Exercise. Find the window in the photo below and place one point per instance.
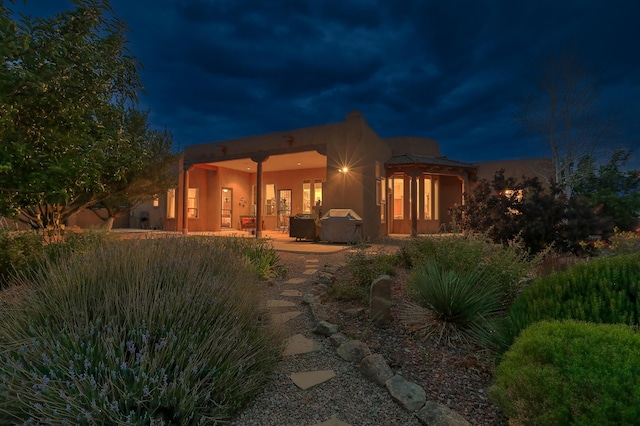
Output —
(428, 198)
(308, 189)
(317, 191)
(270, 199)
(398, 197)
(171, 204)
(306, 196)
(383, 200)
(253, 200)
(192, 203)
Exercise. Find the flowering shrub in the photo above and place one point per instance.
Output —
(166, 331)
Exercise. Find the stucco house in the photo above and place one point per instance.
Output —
(396, 185)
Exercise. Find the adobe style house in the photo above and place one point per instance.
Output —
(396, 185)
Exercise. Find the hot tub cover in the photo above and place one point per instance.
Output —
(341, 226)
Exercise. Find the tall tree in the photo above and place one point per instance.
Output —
(562, 109)
(610, 188)
(151, 161)
(65, 84)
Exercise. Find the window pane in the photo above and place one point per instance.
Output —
(317, 188)
(270, 199)
(192, 203)
(171, 204)
(427, 197)
(383, 200)
(306, 197)
(398, 198)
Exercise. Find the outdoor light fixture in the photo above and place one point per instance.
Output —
(344, 169)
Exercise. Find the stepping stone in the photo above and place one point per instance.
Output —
(311, 260)
(282, 318)
(299, 344)
(333, 422)
(280, 304)
(295, 281)
(291, 293)
(310, 272)
(310, 379)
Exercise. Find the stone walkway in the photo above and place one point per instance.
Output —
(298, 344)
(373, 366)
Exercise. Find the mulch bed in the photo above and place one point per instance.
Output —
(458, 377)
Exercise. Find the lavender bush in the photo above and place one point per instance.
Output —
(163, 331)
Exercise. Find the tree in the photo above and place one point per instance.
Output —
(538, 215)
(65, 84)
(562, 109)
(614, 191)
(151, 162)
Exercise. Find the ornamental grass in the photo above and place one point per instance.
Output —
(167, 331)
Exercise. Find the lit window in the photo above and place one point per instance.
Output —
(317, 191)
(398, 198)
(428, 198)
(306, 196)
(270, 199)
(171, 204)
(192, 203)
(383, 200)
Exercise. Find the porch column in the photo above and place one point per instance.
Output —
(259, 161)
(185, 201)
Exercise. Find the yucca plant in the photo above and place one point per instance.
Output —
(455, 306)
(164, 331)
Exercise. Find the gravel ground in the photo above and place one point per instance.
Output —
(457, 378)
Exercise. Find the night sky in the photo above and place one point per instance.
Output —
(452, 71)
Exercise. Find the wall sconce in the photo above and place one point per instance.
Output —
(343, 170)
(223, 149)
(288, 139)
(156, 201)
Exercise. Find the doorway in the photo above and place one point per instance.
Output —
(226, 213)
(284, 209)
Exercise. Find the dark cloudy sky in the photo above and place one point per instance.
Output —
(448, 70)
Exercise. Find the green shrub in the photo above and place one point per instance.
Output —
(164, 331)
(568, 373)
(364, 268)
(510, 266)
(18, 251)
(603, 290)
(263, 259)
(460, 305)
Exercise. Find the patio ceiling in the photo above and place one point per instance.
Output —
(276, 163)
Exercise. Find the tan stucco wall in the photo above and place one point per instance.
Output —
(413, 145)
(529, 167)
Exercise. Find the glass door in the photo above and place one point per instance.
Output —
(226, 212)
(284, 209)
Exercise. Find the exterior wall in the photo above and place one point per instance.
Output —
(293, 180)
(358, 150)
(450, 197)
(531, 167)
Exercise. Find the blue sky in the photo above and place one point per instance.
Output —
(452, 71)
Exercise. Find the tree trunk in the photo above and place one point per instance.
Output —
(108, 223)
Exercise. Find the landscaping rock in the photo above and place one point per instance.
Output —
(408, 394)
(434, 414)
(375, 368)
(325, 328)
(338, 339)
(353, 351)
(380, 305)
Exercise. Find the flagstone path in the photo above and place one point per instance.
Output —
(284, 310)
